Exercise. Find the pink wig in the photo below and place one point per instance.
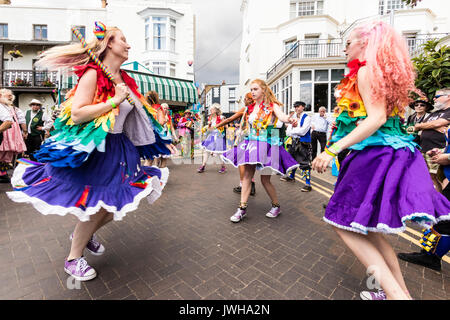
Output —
(390, 69)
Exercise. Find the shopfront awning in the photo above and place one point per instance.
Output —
(169, 89)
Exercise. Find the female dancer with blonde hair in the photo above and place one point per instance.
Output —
(384, 181)
(242, 112)
(262, 149)
(215, 141)
(92, 167)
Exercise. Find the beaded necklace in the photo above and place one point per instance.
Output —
(264, 117)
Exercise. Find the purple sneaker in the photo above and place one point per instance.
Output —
(93, 246)
(239, 215)
(274, 212)
(79, 269)
(223, 170)
(201, 169)
(368, 295)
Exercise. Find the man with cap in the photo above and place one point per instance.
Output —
(300, 148)
(38, 124)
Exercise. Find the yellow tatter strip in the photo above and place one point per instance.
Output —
(414, 232)
(328, 193)
(322, 188)
(318, 190)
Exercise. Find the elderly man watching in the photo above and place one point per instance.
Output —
(320, 124)
(38, 124)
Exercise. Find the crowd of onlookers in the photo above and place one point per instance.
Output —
(21, 133)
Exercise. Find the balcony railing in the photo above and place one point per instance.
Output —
(415, 44)
(29, 78)
(319, 49)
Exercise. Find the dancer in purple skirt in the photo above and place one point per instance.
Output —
(92, 167)
(384, 180)
(262, 149)
(215, 142)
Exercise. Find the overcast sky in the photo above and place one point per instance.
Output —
(218, 23)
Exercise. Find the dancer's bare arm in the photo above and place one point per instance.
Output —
(85, 94)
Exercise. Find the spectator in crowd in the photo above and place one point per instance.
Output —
(186, 133)
(319, 125)
(6, 122)
(38, 127)
(436, 240)
(433, 133)
(300, 148)
(13, 142)
(421, 109)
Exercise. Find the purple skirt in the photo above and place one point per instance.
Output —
(215, 142)
(262, 154)
(113, 180)
(379, 188)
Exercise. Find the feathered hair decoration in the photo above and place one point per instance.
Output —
(99, 30)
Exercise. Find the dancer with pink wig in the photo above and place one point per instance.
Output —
(384, 180)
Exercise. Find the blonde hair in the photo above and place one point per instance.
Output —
(217, 107)
(72, 55)
(269, 96)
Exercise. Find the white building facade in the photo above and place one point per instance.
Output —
(296, 46)
(225, 95)
(160, 33)
(228, 98)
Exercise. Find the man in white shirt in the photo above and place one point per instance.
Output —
(38, 123)
(320, 125)
(300, 149)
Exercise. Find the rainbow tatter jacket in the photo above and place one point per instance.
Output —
(71, 144)
(352, 112)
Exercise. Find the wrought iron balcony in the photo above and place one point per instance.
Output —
(323, 49)
(415, 43)
(29, 78)
(310, 49)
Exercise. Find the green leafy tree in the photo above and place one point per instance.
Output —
(433, 68)
(412, 3)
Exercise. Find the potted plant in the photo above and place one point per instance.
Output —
(48, 83)
(20, 83)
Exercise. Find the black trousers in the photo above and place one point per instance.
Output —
(301, 152)
(322, 138)
(33, 144)
(443, 227)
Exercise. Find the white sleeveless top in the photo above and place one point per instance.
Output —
(124, 109)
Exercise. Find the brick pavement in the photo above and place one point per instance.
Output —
(185, 247)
